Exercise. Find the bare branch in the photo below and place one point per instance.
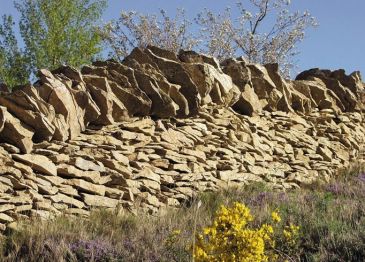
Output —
(275, 45)
(135, 29)
(261, 17)
(220, 35)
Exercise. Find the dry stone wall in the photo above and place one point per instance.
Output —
(156, 129)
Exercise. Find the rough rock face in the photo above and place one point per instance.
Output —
(343, 86)
(154, 130)
(15, 132)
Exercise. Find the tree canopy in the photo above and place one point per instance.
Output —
(54, 32)
(14, 67)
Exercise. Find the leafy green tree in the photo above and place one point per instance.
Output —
(59, 32)
(54, 32)
(14, 68)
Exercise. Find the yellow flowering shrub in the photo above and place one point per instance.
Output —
(291, 234)
(275, 217)
(230, 237)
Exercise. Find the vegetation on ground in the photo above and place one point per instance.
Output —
(330, 218)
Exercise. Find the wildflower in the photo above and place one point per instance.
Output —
(230, 237)
(176, 232)
(291, 233)
(287, 234)
(275, 217)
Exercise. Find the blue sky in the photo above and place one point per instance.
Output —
(339, 41)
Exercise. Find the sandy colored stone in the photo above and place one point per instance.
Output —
(87, 165)
(87, 187)
(38, 163)
(14, 132)
(61, 198)
(99, 201)
(4, 218)
(6, 207)
(71, 171)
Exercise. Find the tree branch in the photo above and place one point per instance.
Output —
(261, 17)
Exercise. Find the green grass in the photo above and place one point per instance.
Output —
(331, 217)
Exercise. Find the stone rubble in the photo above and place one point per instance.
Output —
(158, 128)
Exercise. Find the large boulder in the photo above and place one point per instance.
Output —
(54, 92)
(86, 105)
(111, 108)
(292, 100)
(25, 108)
(179, 104)
(61, 132)
(320, 96)
(248, 102)
(264, 87)
(124, 86)
(344, 87)
(170, 66)
(15, 132)
(104, 103)
(239, 72)
(156, 87)
(70, 72)
(352, 81)
(212, 84)
(194, 57)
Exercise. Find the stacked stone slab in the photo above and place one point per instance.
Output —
(154, 130)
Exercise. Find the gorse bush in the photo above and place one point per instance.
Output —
(231, 238)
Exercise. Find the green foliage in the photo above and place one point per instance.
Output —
(13, 63)
(54, 32)
(60, 31)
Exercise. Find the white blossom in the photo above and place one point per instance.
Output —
(264, 32)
